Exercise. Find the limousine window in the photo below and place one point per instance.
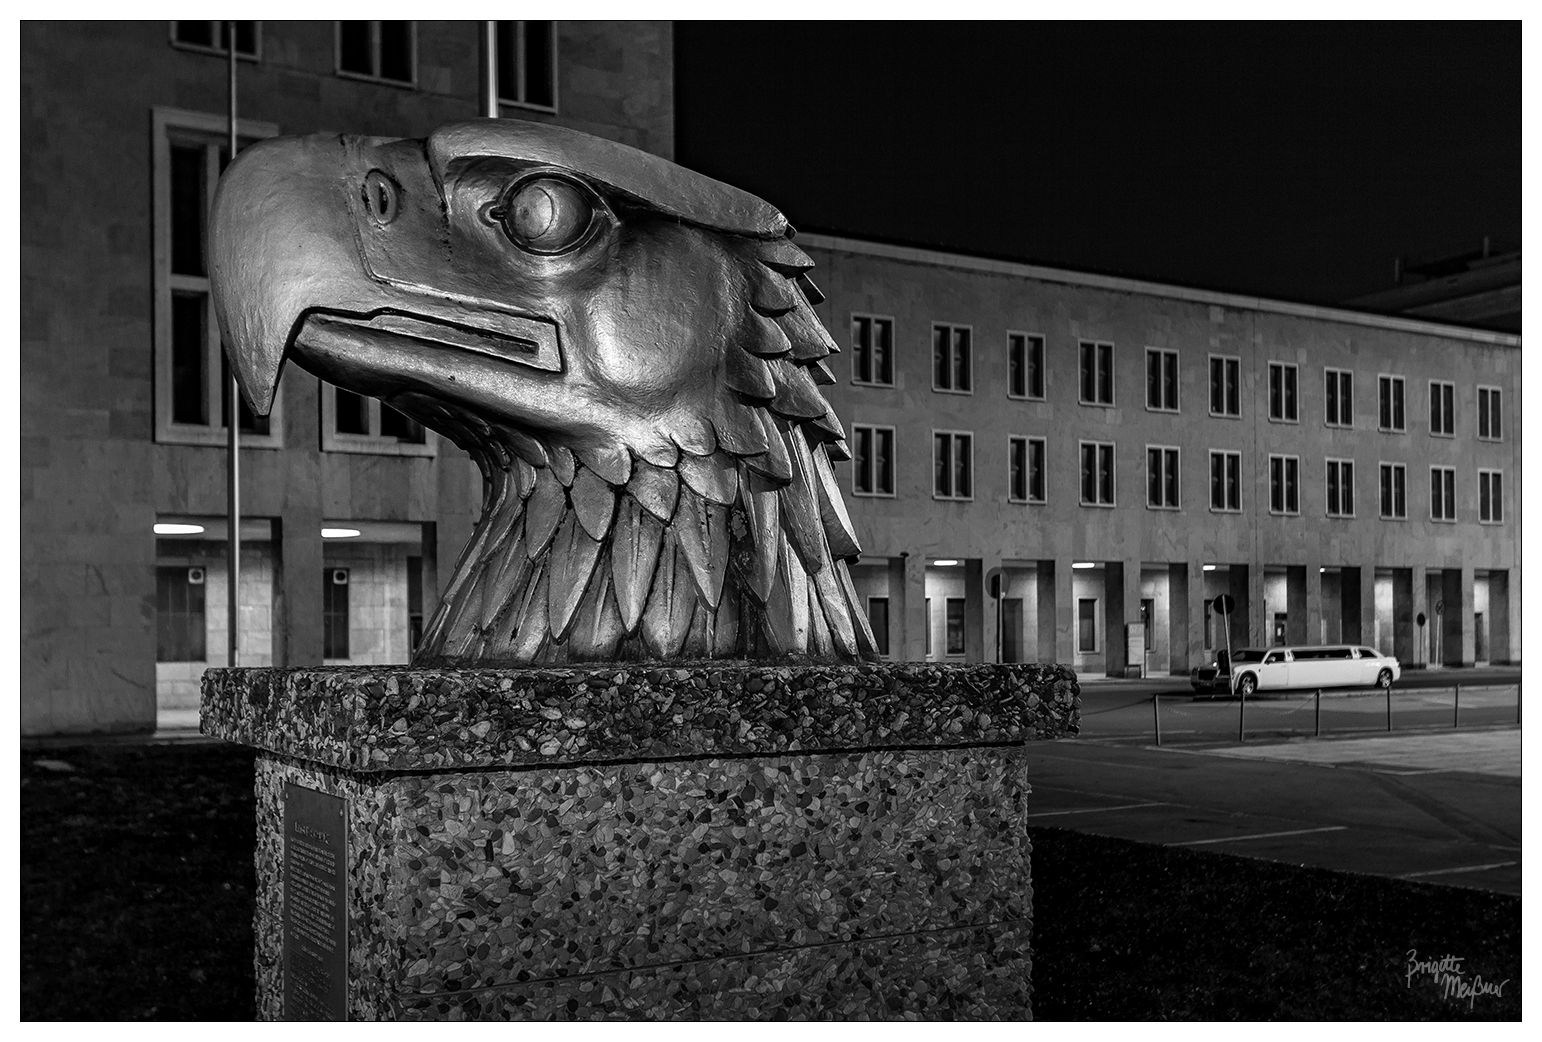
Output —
(1247, 655)
(1274, 657)
(1368, 653)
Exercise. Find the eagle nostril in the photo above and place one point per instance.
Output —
(380, 196)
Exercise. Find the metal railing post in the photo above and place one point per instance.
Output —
(1456, 708)
(1242, 707)
(1317, 716)
(1389, 707)
(1156, 716)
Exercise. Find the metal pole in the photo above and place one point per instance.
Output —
(1517, 701)
(1317, 716)
(1156, 716)
(1456, 708)
(489, 84)
(1242, 708)
(1389, 707)
(233, 428)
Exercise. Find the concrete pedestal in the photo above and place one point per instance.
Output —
(724, 841)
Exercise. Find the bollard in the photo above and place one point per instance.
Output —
(1389, 707)
(1242, 706)
(1156, 717)
(1456, 708)
(1317, 716)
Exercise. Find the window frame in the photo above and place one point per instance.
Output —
(1028, 442)
(1448, 475)
(1175, 454)
(1113, 374)
(1339, 396)
(1097, 645)
(1043, 351)
(1236, 360)
(1295, 374)
(1383, 382)
(1490, 476)
(1285, 510)
(169, 126)
(953, 328)
(1389, 468)
(374, 50)
(1224, 454)
(1494, 393)
(856, 461)
(373, 444)
(1449, 387)
(215, 51)
(880, 634)
(947, 627)
(1163, 353)
(873, 320)
(519, 58)
(1113, 470)
(953, 436)
(1339, 463)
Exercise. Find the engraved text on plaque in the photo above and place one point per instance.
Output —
(315, 918)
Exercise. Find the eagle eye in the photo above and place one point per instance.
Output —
(545, 215)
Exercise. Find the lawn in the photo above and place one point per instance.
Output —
(137, 878)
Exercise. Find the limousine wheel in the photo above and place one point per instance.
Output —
(1384, 679)
(1248, 684)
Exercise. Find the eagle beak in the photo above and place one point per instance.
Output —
(280, 242)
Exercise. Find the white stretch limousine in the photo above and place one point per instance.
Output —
(1340, 665)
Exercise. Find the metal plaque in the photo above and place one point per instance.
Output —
(315, 916)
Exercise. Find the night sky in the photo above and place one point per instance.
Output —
(1292, 161)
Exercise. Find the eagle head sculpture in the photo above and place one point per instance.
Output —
(626, 348)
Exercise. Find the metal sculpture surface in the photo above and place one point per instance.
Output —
(625, 347)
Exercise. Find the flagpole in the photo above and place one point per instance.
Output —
(233, 426)
(489, 84)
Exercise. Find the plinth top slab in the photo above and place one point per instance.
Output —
(396, 718)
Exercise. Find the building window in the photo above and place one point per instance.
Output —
(385, 51)
(1491, 510)
(1097, 473)
(1025, 365)
(1209, 624)
(1097, 373)
(953, 465)
(878, 618)
(872, 463)
(1087, 624)
(334, 613)
(1282, 392)
(1488, 414)
(1394, 492)
(1147, 613)
(527, 64)
(1390, 398)
(353, 423)
(1341, 488)
(951, 359)
(1442, 408)
(179, 614)
(414, 603)
(1162, 477)
(1225, 385)
(1338, 393)
(214, 38)
(1284, 485)
(1161, 380)
(928, 610)
(1442, 493)
(955, 607)
(1225, 481)
(192, 387)
(1025, 469)
(872, 350)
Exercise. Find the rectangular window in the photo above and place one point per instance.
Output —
(1341, 488)
(179, 614)
(1147, 614)
(1489, 428)
(527, 64)
(1161, 380)
(1225, 385)
(1025, 365)
(1339, 396)
(1162, 477)
(928, 625)
(951, 359)
(1442, 493)
(1442, 407)
(1491, 508)
(334, 612)
(1394, 492)
(1390, 402)
(872, 350)
(1225, 480)
(872, 462)
(878, 618)
(414, 603)
(1209, 624)
(354, 423)
(192, 386)
(953, 465)
(1087, 624)
(1284, 485)
(1097, 373)
(378, 50)
(1025, 469)
(1282, 392)
(1097, 473)
(214, 38)
(955, 607)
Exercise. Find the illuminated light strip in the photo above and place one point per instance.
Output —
(1093, 810)
(1256, 835)
(1454, 871)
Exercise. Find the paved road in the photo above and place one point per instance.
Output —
(1439, 807)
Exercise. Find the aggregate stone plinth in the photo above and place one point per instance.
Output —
(748, 842)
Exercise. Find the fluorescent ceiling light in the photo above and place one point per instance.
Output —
(946, 562)
(339, 533)
(1084, 564)
(1209, 567)
(170, 529)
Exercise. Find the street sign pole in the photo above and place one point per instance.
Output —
(233, 428)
